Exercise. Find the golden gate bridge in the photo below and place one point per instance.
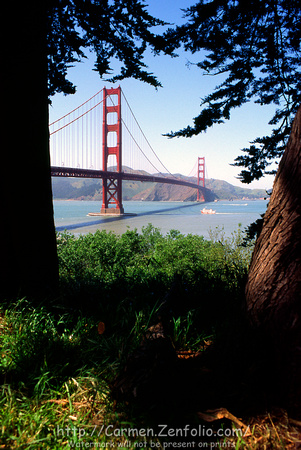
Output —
(102, 137)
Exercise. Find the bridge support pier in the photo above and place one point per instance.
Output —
(112, 186)
(112, 194)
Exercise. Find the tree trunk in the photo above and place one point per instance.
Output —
(273, 291)
(29, 259)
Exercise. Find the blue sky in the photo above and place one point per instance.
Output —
(174, 106)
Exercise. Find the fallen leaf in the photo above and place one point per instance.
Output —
(101, 328)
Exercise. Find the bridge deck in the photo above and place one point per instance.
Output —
(92, 173)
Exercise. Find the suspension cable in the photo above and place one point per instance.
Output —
(77, 118)
(145, 139)
(70, 112)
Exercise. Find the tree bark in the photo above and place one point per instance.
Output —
(29, 259)
(273, 291)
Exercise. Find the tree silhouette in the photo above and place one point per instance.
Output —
(114, 30)
(256, 45)
(43, 40)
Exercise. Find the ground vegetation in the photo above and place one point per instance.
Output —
(142, 328)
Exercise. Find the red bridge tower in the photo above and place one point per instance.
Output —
(201, 178)
(112, 185)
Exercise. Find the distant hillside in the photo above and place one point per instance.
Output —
(220, 189)
(90, 189)
(226, 191)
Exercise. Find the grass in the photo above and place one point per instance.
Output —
(61, 358)
(55, 375)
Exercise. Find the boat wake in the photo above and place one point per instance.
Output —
(234, 204)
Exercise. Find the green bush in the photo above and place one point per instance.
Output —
(140, 269)
(134, 259)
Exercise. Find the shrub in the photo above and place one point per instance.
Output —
(141, 268)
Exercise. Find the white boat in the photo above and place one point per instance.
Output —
(207, 211)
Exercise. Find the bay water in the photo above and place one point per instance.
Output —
(185, 217)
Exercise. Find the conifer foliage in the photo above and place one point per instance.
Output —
(113, 30)
(255, 45)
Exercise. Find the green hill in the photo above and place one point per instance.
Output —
(226, 191)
